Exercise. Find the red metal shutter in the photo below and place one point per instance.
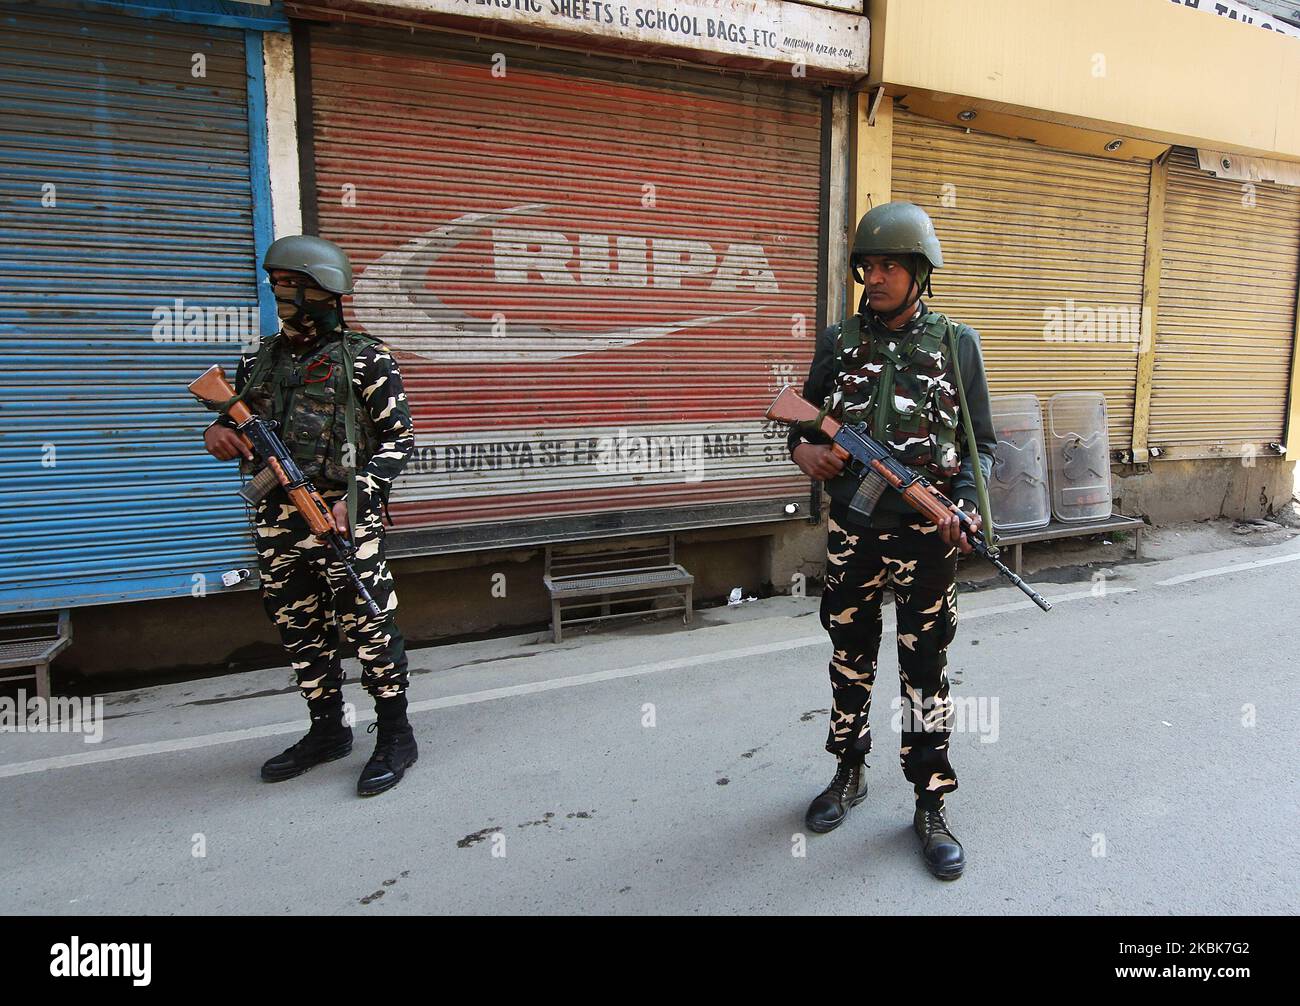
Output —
(570, 251)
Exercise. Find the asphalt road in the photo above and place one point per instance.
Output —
(1132, 752)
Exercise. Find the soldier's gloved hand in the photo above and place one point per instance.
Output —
(817, 461)
(225, 444)
(950, 529)
(340, 511)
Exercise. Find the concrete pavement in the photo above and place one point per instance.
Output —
(1130, 752)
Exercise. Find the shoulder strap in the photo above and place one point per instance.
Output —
(981, 489)
(933, 332)
(353, 342)
(848, 333)
(261, 362)
(364, 338)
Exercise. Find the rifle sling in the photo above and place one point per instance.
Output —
(981, 489)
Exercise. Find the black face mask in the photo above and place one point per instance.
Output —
(304, 316)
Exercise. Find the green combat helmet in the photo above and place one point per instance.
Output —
(898, 229)
(322, 260)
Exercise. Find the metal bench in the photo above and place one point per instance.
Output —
(588, 577)
(1063, 529)
(33, 639)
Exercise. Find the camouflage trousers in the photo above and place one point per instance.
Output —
(913, 561)
(314, 606)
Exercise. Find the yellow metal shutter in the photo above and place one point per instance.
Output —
(1031, 236)
(1227, 312)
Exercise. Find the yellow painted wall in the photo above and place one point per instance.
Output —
(873, 142)
(1145, 68)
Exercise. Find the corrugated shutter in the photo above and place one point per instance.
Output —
(124, 186)
(570, 249)
(1226, 320)
(1033, 237)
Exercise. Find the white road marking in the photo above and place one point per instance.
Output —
(103, 755)
(1221, 570)
(151, 748)
(997, 609)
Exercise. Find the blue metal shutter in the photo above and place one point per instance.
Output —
(105, 491)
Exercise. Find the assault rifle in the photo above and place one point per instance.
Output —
(869, 460)
(259, 435)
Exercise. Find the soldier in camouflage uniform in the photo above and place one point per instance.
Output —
(894, 342)
(338, 399)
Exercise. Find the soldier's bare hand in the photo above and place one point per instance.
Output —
(950, 530)
(225, 444)
(817, 461)
(340, 511)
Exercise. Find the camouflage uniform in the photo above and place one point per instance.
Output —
(312, 603)
(913, 561)
(897, 548)
(304, 589)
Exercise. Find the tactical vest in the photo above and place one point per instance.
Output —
(918, 418)
(309, 398)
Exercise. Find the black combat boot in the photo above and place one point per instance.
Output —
(395, 749)
(939, 847)
(847, 789)
(328, 739)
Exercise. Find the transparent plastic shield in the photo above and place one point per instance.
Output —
(1079, 448)
(1018, 493)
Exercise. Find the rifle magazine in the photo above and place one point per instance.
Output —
(259, 486)
(869, 491)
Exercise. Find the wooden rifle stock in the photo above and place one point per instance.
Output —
(792, 407)
(212, 386)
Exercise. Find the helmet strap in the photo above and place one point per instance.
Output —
(909, 302)
(915, 265)
(906, 306)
